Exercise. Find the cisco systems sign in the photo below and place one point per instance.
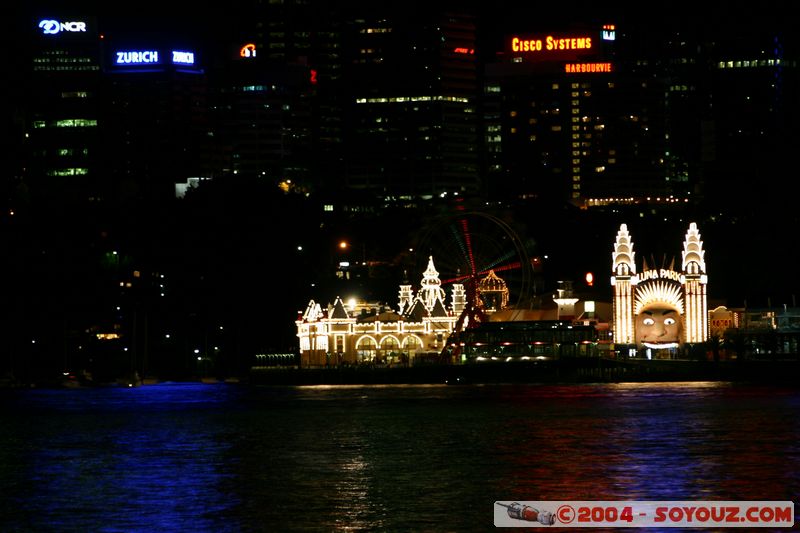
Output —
(54, 27)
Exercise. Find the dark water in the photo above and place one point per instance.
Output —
(196, 457)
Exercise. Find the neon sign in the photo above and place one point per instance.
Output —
(52, 27)
(575, 68)
(183, 58)
(461, 50)
(609, 32)
(143, 57)
(248, 50)
(662, 273)
(550, 44)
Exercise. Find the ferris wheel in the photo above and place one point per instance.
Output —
(486, 255)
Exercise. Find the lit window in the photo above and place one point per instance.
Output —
(75, 123)
(68, 172)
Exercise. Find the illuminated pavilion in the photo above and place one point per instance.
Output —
(350, 333)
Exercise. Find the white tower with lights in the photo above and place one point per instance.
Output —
(623, 280)
(695, 280)
(431, 289)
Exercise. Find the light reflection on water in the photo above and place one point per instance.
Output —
(223, 457)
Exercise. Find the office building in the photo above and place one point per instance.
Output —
(62, 109)
(566, 120)
(412, 118)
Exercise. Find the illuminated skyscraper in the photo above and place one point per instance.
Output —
(156, 127)
(62, 109)
(277, 96)
(565, 120)
(112, 116)
(378, 99)
(667, 114)
(412, 117)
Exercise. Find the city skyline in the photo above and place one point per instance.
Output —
(219, 243)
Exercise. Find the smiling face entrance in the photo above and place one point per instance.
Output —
(658, 326)
(658, 314)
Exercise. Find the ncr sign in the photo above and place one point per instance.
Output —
(54, 27)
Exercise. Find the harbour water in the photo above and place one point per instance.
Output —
(231, 457)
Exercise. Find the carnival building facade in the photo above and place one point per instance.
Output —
(658, 311)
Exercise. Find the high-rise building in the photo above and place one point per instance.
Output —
(63, 108)
(262, 119)
(276, 100)
(112, 114)
(754, 79)
(670, 114)
(412, 118)
(566, 120)
(156, 126)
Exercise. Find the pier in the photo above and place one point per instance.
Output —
(564, 370)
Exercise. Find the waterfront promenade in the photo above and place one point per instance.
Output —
(564, 370)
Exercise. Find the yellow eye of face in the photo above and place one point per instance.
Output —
(648, 321)
(669, 321)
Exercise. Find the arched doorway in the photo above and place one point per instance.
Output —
(366, 350)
